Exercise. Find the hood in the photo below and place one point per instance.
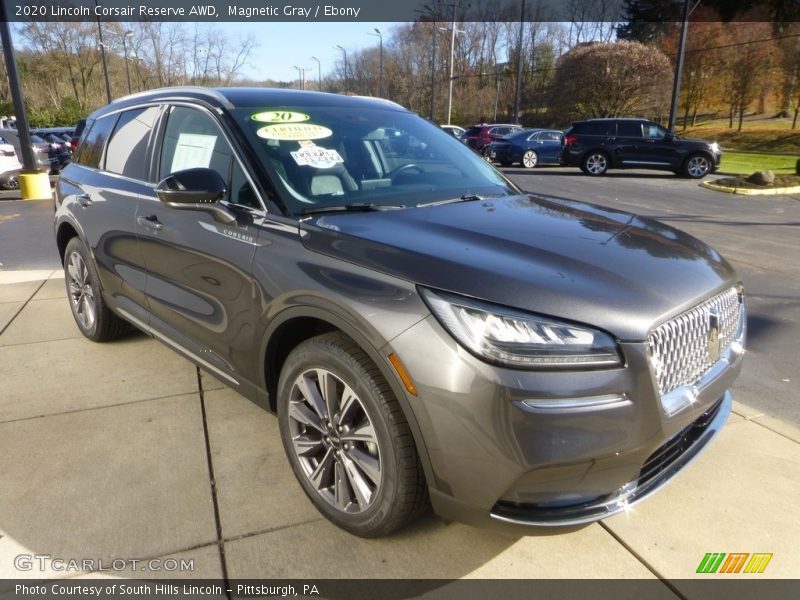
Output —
(572, 260)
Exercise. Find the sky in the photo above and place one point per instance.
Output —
(283, 45)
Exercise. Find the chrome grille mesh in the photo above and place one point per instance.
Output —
(679, 347)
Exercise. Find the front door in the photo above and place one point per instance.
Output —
(199, 282)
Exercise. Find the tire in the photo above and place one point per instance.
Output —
(595, 163)
(11, 183)
(697, 166)
(94, 319)
(485, 154)
(360, 468)
(530, 159)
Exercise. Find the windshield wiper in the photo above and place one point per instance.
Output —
(464, 198)
(355, 207)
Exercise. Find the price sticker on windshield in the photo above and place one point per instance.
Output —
(280, 116)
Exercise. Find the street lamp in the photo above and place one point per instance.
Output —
(103, 55)
(319, 71)
(345, 67)
(452, 54)
(302, 73)
(125, 35)
(379, 35)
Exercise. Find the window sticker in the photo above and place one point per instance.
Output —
(193, 150)
(311, 155)
(294, 132)
(280, 116)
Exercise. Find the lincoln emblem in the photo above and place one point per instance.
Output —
(713, 336)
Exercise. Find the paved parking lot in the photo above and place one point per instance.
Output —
(125, 451)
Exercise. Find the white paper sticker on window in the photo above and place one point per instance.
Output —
(193, 150)
(314, 156)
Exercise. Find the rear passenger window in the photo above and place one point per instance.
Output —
(91, 153)
(127, 149)
(629, 129)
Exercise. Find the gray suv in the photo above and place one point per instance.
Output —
(426, 332)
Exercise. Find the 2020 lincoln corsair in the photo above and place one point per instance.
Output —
(423, 328)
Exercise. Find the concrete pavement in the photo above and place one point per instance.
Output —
(124, 451)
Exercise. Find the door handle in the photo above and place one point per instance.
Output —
(84, 200)
(151, 222)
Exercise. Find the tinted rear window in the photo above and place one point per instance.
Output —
(127, 150)
(629, 129)
(472, 131)
(91, 151)
(595, 128)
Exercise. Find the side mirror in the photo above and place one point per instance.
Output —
(669, 137)
(196, 189)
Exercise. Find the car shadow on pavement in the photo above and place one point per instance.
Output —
(571, 172)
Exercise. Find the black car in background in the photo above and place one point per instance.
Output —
(597, 145)
(529, 147)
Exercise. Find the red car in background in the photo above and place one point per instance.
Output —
(478, 137)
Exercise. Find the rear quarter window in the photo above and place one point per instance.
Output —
(91, 150)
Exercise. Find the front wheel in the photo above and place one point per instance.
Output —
(595, 164)
(697, 166)
(347, 439)
(530, 159)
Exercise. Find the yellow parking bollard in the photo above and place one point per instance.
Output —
(34, 185)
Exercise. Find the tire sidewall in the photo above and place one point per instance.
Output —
(315, 354)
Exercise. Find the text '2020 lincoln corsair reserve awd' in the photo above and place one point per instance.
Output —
(425, 331)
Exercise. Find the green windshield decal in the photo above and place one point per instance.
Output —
(294, 132)
(280, 116)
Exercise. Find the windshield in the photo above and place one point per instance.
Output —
(335, 156)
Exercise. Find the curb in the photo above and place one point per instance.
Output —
(751, 191)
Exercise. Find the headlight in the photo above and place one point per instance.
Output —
(715, 147)
(517, 339)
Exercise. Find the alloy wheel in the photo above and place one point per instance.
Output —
(596, 164)
(529, 159)
(81, 294)
(334, 440)
(698, 166)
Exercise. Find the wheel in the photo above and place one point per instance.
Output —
(11, 182)
(485, 154)
(93, 317)
(530, 159)
(697, 166)
(595, 164)
(347, 439)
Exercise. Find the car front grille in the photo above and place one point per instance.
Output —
(680, 347)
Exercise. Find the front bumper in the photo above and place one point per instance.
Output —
(511, 448)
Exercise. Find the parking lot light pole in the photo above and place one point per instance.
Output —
(319, 72)
(379, 35)
(345, 67)
(33, 184)
(518, 92)
(676, 84)
(125, 36)
(103, 55)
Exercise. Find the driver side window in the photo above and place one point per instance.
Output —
(193, 139)
(654, 132)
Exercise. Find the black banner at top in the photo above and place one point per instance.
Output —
(396, 10)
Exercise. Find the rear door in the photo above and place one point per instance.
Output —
(103, 186)
(199, 282)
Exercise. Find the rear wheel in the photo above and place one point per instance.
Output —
(94, 319)
(697, 166)
(530, 159)
(595, 164)
(347, 439)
